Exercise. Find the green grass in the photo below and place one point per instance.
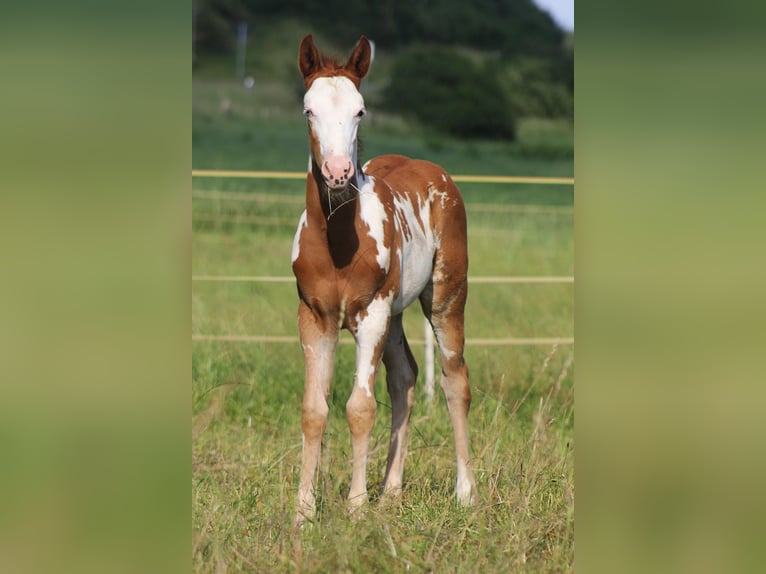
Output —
(236, 128)
(247, 451)
(246, 419)
(246, 397)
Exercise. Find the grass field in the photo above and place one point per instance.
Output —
(247, 396)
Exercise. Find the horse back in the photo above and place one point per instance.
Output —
(424, 184)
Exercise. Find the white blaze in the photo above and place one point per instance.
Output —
(334, 104)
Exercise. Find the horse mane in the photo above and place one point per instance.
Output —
(359, 147)
(329, 68)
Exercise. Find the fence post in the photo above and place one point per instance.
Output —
(428, 338)
(241, 49)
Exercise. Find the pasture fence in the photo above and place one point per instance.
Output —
(228, 173)
(427, 341)
(471, 279)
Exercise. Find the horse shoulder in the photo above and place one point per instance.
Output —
(313, 269)
(376, 221)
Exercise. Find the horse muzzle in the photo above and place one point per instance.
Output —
(337, 171)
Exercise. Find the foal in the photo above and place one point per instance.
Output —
(371, 240)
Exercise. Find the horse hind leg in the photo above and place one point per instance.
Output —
(401, 374)
(443, 304)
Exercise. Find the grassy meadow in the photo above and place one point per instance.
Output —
(246, 397)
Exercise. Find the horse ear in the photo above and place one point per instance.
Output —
(359, 61)
(309, 60)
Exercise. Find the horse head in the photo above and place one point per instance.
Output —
(333, 108)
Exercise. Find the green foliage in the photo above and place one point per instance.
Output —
(215, 22)
(445, 90)
(514, 27)
(527, 31)
(513, 40)
(533, 89)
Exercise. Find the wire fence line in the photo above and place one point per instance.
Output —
(224, 173)
(248, 196)
(297, 200)
(476, 342)
(257, 197)
(259, 219)
(476, 280)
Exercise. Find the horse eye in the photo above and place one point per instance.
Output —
(308, 113)
(361, 113)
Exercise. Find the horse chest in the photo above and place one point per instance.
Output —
(339, 286)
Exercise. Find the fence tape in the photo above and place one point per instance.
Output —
(225, 173)
(508, 342)
(475, 280)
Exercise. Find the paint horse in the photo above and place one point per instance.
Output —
(371, 240)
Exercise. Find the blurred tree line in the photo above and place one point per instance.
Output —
(526, 68)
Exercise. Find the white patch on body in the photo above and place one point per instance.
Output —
(446, 353)
(434, 192)
(363, 379)
(374, 215)
(418, 248)
(302, 223)
(369, 332)
(307, 349)
(463, 489)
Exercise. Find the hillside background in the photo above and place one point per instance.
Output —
(446, 74)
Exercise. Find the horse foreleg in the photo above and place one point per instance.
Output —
(370, 335)
(319, 354)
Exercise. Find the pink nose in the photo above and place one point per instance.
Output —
(337, 170)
